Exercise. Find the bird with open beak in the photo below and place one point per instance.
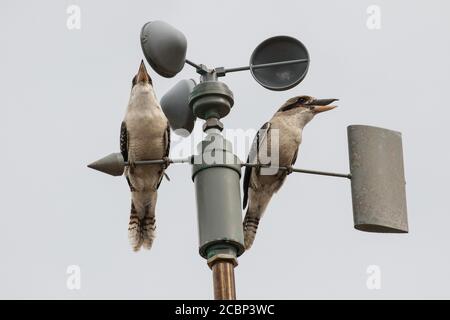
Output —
(285, 131)
(144, 135)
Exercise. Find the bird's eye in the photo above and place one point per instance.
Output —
(301, 100)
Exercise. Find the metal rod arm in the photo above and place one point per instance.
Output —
(322, 173)
(237, 69)
(298, 170)
(266, 65)
(196, 66)
(159, 161)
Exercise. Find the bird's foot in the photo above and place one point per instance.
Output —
(260, 166)
(166, 162)
(131, 165)
(166, 176)
(289, 170)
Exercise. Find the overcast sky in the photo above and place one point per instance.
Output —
(63, 96)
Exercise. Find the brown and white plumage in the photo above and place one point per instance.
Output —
(285, 129)
(144, 135)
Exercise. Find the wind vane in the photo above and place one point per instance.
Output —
(278, 63)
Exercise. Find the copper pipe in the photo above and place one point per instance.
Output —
(223, 280)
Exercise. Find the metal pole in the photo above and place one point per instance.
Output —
(222, 266)
(216, 172)
(223, 281)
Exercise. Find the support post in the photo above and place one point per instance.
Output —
(216, 172)
(222, 266)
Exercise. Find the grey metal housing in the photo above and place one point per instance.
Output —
(216, 173)
(378, 179)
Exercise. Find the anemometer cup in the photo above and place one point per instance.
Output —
(175, 105)
(279, 49)
(164, 48)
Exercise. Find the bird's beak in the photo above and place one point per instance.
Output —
(321, 105)
(142, 75)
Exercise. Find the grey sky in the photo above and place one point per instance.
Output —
(64, 94)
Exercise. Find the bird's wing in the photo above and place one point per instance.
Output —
(124, 149)
(295, 156)
(166, 152)
(167, 140)
(252, 156)
(124, 141)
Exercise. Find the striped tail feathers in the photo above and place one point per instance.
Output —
(148, 228)
(141, 231)
(250, 227)
(135, 230)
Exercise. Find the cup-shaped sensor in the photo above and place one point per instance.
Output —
(175, 105)
(281, 76)
(164, 47)
(378, 179)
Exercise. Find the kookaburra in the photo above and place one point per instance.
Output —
(144, 135)
(286, 126)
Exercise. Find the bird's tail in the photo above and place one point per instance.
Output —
(141, 231)
(251, 223)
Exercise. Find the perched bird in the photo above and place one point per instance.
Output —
(144, 135)
(287, 125)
